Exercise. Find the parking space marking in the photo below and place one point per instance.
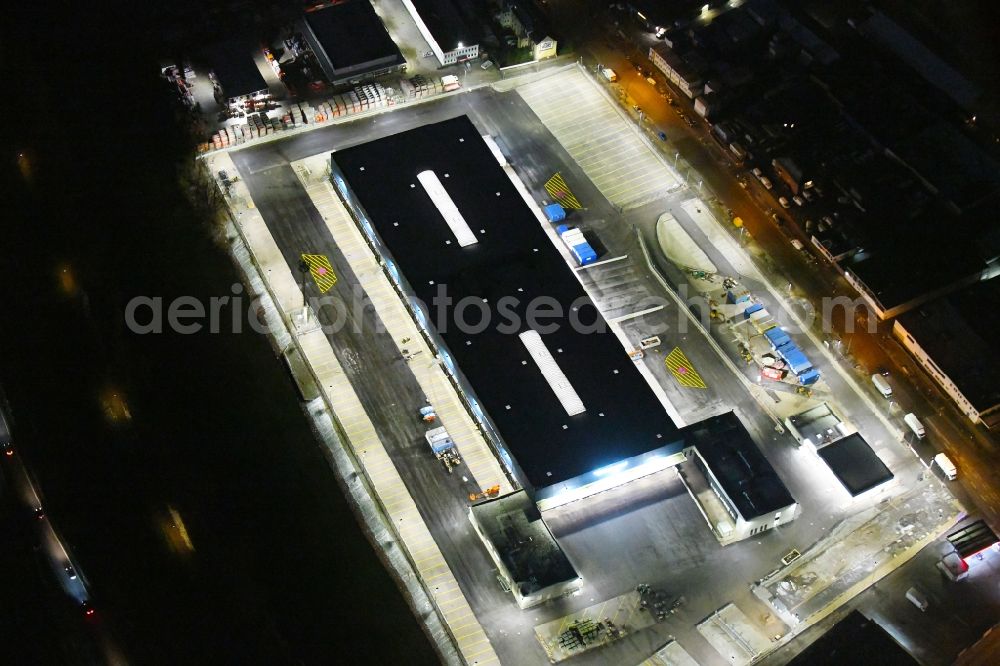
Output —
(613, 156)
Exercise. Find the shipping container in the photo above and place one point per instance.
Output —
(555, 212)
(777, 337)
(809, 377)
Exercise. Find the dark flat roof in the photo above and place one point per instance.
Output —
(531, 554)
(516, 259)
(234, 67)
(855, 464)
(349, 39)
(959, 333)
(740, 468)
(854, 640)
(444, 23)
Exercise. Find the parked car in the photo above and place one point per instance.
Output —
(766, 182)
(785, 203)
(917, 598)
(757, 172)
(799, 201)
(487, 64)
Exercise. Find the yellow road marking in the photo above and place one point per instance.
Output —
(321, 270)
(558, 189)
(683, 371)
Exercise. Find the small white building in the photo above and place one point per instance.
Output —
(446, 33)
(734, 485)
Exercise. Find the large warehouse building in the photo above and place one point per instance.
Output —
(565, 407)
(351, 43)
(568, 410)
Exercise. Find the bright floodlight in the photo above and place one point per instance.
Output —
(449, 211)
(560, 385)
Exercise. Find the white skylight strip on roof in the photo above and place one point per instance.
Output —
(553, 375)
(449, 211)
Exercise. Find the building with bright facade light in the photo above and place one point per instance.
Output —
(445, 31)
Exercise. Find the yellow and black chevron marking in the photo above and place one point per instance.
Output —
(321, 270)
(559, 190)
(683, 371)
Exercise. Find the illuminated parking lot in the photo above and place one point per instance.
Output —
(599, 139)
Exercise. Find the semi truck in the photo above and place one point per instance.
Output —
(443, 447)
(578, 246)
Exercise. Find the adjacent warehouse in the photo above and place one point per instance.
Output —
(235, 76)
(351, 43)
(725, 461)
(855, 464)
(953, 338)
(528, 559)
(446, 33)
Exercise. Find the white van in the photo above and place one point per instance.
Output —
(947, 466)
(915, 425)
(609, 74)
(917, 598)
(882, 385)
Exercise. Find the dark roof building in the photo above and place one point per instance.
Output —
(350, 42)
(855, 464)
(563, 402)
(531, 562)
(854, 640)
(745, 476)
(446, 33)
(234, 70)
(954, 338)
